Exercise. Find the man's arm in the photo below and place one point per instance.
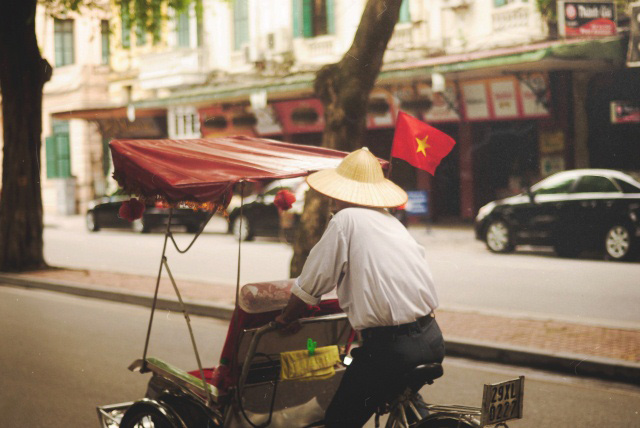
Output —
(291, 313)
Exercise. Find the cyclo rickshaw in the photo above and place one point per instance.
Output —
(272, 379)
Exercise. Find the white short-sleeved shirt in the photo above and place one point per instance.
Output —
(385, 277)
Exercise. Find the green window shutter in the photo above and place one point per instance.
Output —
(52, 155)
(297, 18)
(104, 32)
(141, 36)
(499, 3)
(331, 21)
(307, 18)
(156, 25)
(126, 25)
(183, 29)
(64, 155)
(240, 23)
(405, 15)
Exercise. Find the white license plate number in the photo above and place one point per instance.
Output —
(502, 401)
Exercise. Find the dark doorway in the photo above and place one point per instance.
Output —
(505, 156)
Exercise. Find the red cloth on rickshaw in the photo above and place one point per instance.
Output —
(205, 170)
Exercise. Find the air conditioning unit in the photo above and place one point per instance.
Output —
(279, 41)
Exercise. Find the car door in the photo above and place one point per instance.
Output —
(542, 218)
(107, 212)
(593, 202)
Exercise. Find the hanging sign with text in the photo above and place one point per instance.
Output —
(586, 19)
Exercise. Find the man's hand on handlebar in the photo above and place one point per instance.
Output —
(287, 327)
(287, 321)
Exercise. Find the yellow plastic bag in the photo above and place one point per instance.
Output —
(299, 365)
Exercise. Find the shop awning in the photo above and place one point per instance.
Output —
(543, 56)
(98, 113)
(205, 171)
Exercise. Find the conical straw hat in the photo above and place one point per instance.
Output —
(358, 180)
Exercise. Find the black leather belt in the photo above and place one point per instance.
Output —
(397, 330)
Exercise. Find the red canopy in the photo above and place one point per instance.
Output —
(205, 170)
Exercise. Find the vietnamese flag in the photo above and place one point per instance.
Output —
(421, 145)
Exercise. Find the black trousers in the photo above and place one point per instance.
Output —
(374, 376)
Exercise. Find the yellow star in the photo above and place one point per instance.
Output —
(422, 145)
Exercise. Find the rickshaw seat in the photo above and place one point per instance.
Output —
(424, 374)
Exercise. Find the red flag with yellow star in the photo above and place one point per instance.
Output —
(421, 145)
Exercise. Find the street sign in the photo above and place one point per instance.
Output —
(586, 18)
(418, 203)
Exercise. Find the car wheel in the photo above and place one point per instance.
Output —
(139, 226)
(241, 228)
(619, 242)
(498, 237)
(90, 221)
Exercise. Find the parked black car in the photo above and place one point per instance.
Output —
(572, 211)
(103, 213)
(260, 217)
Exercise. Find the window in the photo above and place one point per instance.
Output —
(554, 184)
(57, 151)
(104, 34)
(63, 41)
(627, 187)
(126, 25)
(313, 18)
(595, 184)
(182, 27)
(405, 15)
(141, 35)
(156, 25)
(240, 23)
(184, 122)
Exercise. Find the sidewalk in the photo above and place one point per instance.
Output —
(574, 349)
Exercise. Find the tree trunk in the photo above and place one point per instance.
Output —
(23, 73)
(344, 90)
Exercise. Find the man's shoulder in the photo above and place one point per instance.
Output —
(349, 214)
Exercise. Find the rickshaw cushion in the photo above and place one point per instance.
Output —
(262, 297)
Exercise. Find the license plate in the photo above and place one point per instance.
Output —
(502, 401)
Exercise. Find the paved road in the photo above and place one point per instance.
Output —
(63, 355)
(524, 284)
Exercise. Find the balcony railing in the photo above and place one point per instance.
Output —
(511, 17)
(182, 66)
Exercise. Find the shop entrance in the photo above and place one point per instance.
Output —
(505, 157)
(445, 188)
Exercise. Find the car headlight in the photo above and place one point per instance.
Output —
(485, 211)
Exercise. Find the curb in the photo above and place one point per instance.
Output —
(217, 310)
(574, 364)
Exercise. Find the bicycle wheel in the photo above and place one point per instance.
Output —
(144, 415)
(436, 421)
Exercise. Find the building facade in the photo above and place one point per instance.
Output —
(519, 104)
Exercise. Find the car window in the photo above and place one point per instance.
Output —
(627, 187)
(595, 184)
(554, 184)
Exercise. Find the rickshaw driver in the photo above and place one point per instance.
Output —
(383, 284)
